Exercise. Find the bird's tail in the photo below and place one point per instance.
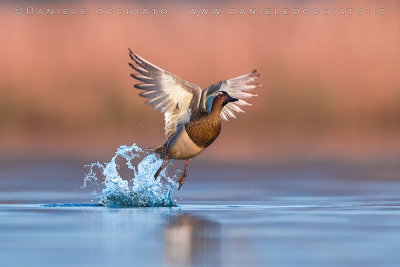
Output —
(161, 150)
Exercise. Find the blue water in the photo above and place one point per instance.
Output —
(138, 188)
(319, 214)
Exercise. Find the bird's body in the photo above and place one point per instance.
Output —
(192, 116)
(204, 128)
(181, 146)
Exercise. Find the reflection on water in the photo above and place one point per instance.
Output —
(192, 241)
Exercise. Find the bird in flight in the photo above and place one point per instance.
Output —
(192, 115)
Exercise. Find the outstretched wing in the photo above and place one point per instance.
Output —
(237, 87)
(167, 93)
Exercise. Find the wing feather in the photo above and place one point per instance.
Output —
(166, 92)
(237, 87)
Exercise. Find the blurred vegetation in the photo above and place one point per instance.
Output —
(67, 78)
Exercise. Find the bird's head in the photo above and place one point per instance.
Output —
(223, 98)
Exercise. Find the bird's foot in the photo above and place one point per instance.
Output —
(181, 180)
(160, 169)
(157, 174)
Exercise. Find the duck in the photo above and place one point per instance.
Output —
(192, 116)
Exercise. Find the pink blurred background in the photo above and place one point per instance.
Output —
(330, 84)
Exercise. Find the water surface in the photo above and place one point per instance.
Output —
(225, 216)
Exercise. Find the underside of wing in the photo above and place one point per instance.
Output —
(166, 92)
(238, 87)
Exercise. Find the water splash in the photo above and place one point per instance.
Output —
(139, 189)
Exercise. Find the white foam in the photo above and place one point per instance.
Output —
(139, 189)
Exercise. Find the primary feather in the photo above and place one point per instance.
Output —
(178, 99)
(237, 87)
(167, 93)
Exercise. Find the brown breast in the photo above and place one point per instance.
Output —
(203, 128)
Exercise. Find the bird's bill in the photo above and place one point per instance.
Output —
(232, 99)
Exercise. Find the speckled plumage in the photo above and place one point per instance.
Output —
(203, 128)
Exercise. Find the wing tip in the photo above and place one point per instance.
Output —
(131, 53)
(141, 86)
(135, 57)
(255, 73)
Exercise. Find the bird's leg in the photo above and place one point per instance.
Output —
(160, 169)
(184, 175)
